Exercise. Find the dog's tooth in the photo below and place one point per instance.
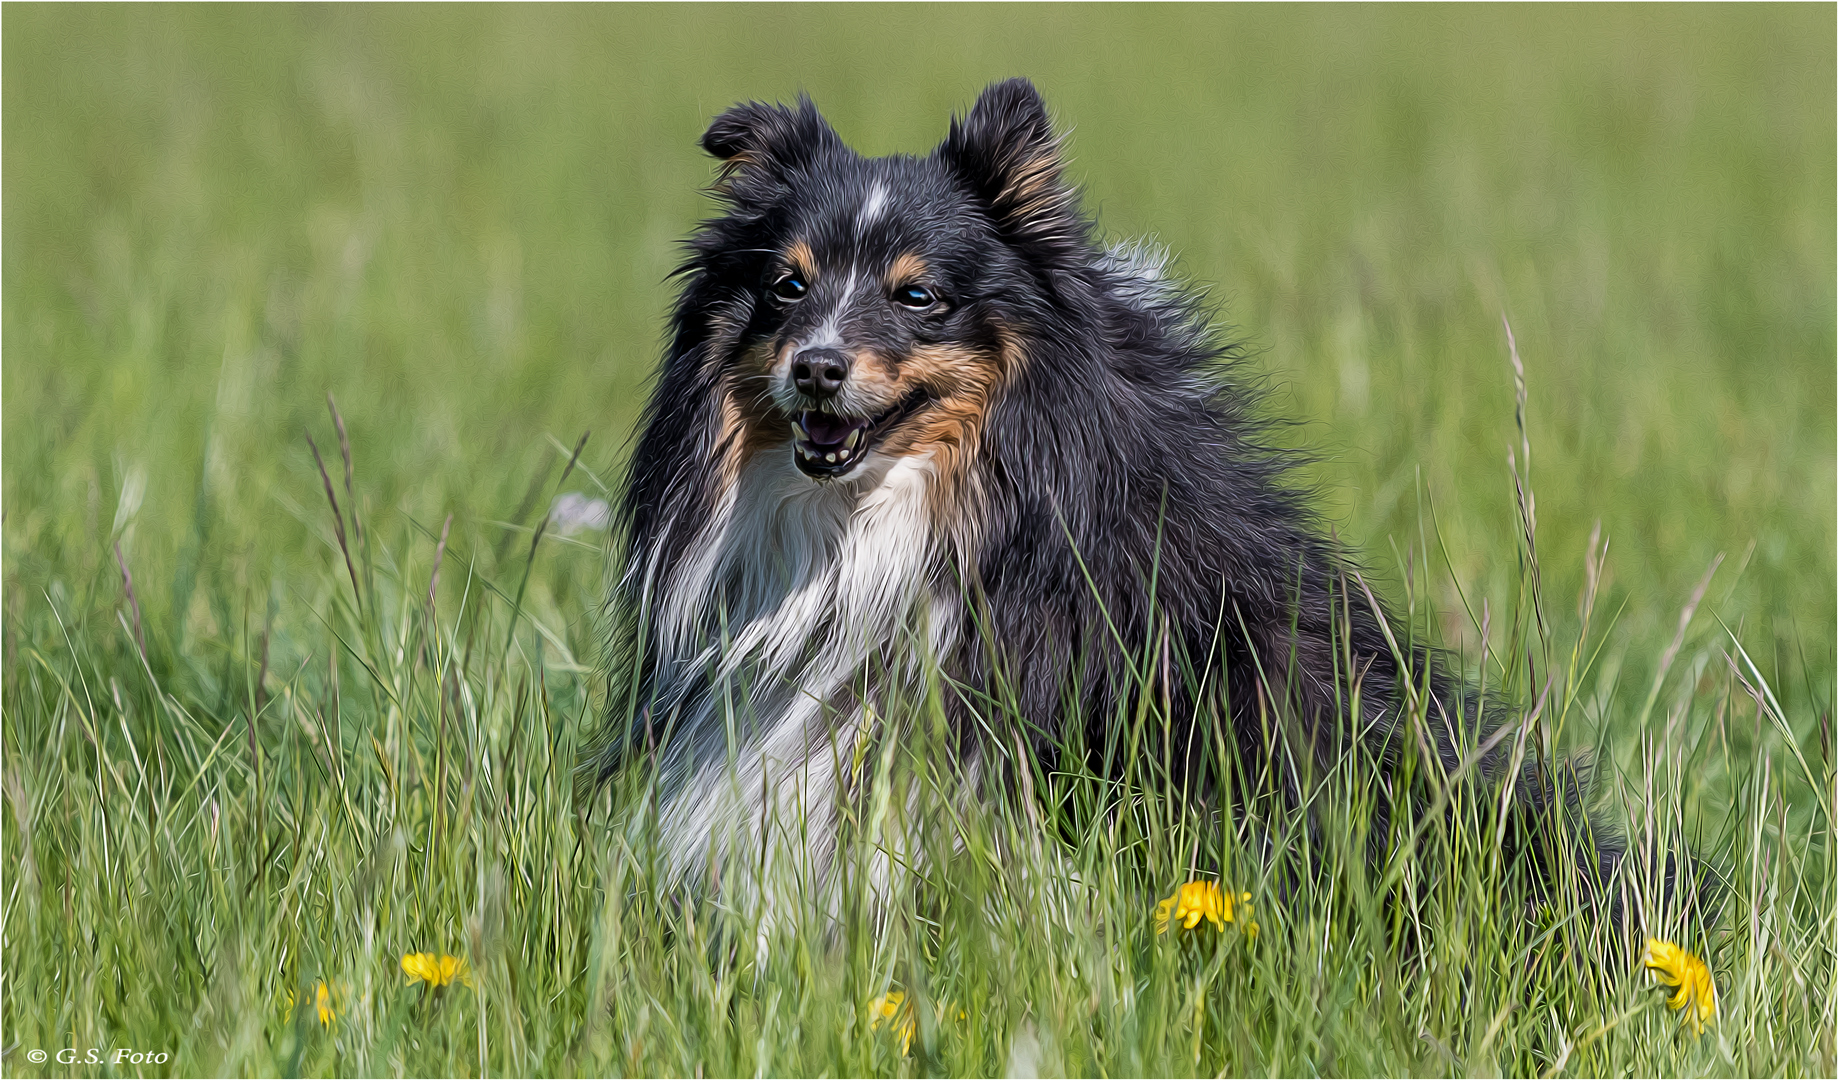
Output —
(855, 438)
(831, 458)
(798, 430)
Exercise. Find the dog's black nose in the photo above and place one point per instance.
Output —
(819, 372)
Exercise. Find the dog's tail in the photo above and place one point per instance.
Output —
(1551, 828)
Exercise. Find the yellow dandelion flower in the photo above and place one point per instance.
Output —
(891, 1009)
(322, 1003)
(1675, 967)
(896, 1012)
(436, 971)
(1198, 900)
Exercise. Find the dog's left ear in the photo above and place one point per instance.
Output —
(1006, 151)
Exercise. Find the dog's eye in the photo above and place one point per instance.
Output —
(915, 297)
(790, 287)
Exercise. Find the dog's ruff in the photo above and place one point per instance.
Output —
(797, 595)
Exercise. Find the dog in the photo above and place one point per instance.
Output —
(916, 426)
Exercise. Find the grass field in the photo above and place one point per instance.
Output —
(271, 764)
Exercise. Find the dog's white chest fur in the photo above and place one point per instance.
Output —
(795, 599)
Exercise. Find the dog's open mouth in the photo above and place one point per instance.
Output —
(828, 445)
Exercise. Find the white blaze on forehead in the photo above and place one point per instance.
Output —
(829, 335)
(871, 206)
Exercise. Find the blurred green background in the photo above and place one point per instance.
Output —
(459, 221)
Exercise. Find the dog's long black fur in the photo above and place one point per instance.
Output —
(1098, 478)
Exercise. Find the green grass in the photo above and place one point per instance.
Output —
(458, 223)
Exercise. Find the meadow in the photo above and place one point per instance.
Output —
(279, 713)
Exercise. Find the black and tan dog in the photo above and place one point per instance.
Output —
(916, 421)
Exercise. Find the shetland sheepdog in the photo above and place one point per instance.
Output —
(917, 426)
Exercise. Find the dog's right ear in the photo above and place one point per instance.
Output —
(755, 138)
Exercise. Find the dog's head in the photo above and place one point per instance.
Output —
(862, 307)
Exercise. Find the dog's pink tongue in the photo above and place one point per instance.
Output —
(826, 429)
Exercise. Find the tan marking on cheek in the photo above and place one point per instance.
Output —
(952, 371)
(876, 376)
(749, 423)
(908, 269)
(966, 384)
(728, 440)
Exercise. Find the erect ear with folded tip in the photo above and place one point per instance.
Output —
(1005, 149)
(757, 139)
